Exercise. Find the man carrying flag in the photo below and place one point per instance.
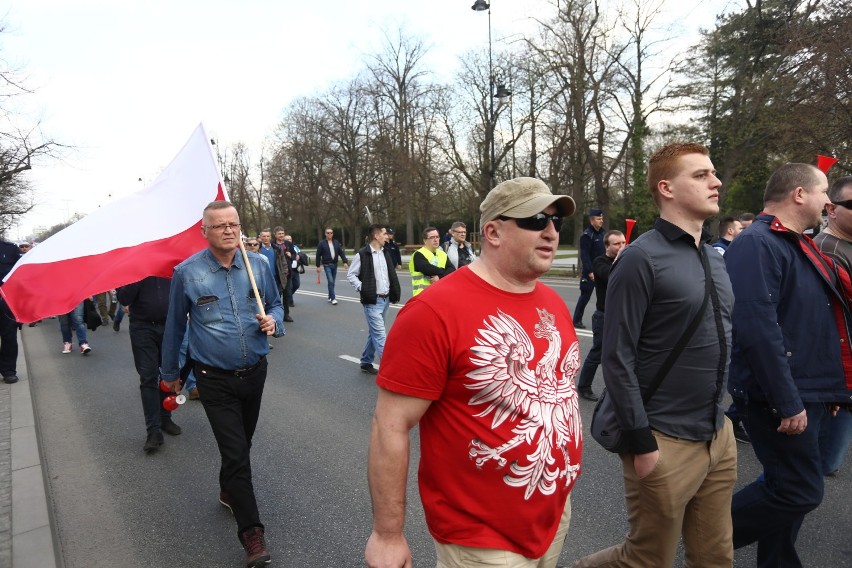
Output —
(227, 350)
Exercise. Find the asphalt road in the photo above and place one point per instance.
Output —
(115, 506)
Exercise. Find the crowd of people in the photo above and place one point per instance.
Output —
(762, 314)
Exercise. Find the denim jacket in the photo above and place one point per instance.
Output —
(223, 329)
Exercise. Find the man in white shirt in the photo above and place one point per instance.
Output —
(373, 275)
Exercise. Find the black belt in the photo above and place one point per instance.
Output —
(207, 370)
(148, 321)
(382, 295)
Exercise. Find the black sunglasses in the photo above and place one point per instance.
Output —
(847, 204)
(251, 244)
(537, 222)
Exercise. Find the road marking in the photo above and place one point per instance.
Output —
(356, 360)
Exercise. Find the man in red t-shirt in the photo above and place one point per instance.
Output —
(484, 361)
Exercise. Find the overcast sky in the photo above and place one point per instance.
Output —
(125, 82)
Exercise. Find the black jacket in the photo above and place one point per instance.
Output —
(148, 299)
(327, 256)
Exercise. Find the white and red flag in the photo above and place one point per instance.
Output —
(144, 234)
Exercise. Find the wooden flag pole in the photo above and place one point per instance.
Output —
(251, 277)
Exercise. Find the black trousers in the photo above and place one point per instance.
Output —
(8, 341)
(586, 289)
(232, 405)
(146, 342)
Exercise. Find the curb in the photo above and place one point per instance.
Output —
(34, 538)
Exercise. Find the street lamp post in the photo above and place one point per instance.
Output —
(502, 93)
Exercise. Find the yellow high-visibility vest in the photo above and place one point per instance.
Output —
(420, 281)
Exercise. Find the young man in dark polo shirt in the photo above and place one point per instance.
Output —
(681, 464)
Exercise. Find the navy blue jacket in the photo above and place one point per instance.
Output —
(791, 324)
(591, 247)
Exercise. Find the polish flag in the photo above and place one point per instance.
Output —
(144, 234)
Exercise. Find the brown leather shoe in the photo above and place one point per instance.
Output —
(193, 394)
(256, 553)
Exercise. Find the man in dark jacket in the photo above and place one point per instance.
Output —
(148, 304)
(373, 275)
(791, 363)
(9, 255)
(329, 250)
(393, 249)
(614, 243)
(591, 247)
(284, 254)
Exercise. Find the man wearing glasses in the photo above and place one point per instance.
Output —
(228, 345)
(459, 251)
(329, 250)
(429, 263)
(836, 242)
(485, 364)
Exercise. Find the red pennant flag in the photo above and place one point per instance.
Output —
(629, 224)
(150, 232)
(825, 162)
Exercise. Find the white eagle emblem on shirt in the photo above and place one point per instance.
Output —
(545, 399)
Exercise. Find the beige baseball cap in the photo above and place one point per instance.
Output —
(522, 197)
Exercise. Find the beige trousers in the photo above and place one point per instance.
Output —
(455, 556)
(688, 492)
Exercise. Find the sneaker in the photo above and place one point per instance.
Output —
(369, 369)
(153, 442)
(193, 394)
(225, 500)
(84, 348)
(740, 435)
(66, 347)
(329, 300)
(253, 542)
(334, 302)
(169, 427)
(116, 325)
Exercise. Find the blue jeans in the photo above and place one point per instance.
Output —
(330, 277)
(593, 359)
(770, 510)
(375, 314)
(73, 320)
(836, 441)
(119, 313)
